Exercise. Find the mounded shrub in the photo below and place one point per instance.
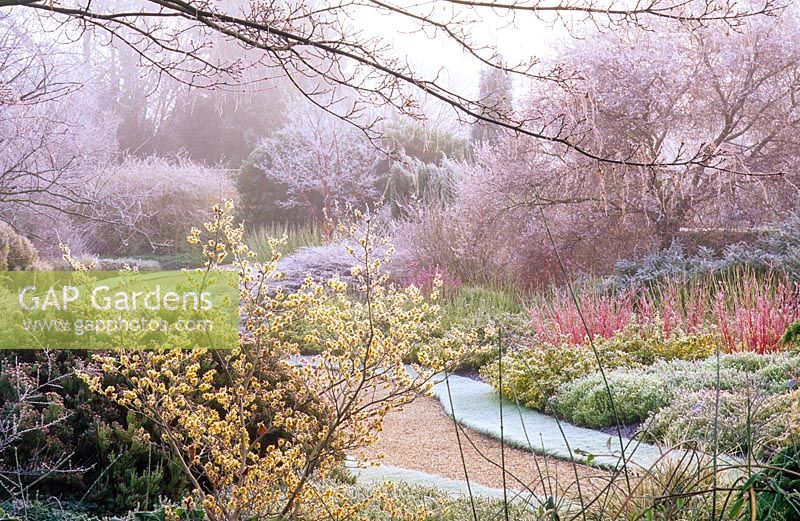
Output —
(748, 421)
(16, 251)
(586, 401)
(639, 392)
(533, 375)
(690, 417)
(648, 347)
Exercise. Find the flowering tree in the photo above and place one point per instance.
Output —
(255, 427)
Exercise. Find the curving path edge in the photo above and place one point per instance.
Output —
(477, 407)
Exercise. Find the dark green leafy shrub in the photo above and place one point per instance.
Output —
(260, 196)
(792, 335)
(135, 473)
(118, 470)
(778, 486)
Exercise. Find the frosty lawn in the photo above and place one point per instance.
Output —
(477, 407)
(382, 473)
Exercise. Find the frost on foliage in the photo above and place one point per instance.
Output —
(324, 163)
(321, 263)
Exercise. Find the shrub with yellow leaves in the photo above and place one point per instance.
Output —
(257, 428)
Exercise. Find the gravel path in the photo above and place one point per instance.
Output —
(422, 437)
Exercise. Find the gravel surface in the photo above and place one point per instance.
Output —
(422, 437)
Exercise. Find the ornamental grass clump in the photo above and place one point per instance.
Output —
(681, 485)
(255, 430)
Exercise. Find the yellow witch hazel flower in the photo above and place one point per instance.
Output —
(257, 429)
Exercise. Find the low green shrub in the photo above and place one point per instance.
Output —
(135, 474)
(586, 401)
(784, 419)
(16, 251)
(747, 421)
(532, 375)
(119, 470)
(48, 510)
(648, 346)
(781, 373)
(639, 392)
(691, 417)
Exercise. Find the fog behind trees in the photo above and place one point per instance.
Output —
(634, 125)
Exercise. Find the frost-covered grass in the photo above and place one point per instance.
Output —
(431, 503)
(297, 237)
(382, 473)
(477, 406)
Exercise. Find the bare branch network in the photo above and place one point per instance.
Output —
(344, 70)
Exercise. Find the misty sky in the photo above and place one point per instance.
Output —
(517, 39)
